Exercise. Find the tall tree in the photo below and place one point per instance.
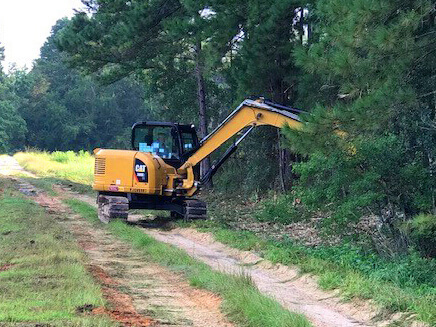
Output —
(371, 73)
(256, 42)
(150, 39)
(12, 125)
(67, 111)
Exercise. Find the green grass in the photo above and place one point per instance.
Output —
(407, 284)
(243, 303)
(71, 166)
(47, 280)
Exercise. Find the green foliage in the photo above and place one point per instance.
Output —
(406, 283)
(281, 209)
(160, 42)
(12, 126)
(67, 111)
(69, 156)
(253, 168)
(422, 231)
(369, 143)
(364, 177)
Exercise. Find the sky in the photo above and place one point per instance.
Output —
(26, 24)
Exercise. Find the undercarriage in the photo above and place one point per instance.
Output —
(116, 206)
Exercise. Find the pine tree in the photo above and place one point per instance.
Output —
(371, 74)
(159, 41)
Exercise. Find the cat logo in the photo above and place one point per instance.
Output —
(141, 171)
(140, 168)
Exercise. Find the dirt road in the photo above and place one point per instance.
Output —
(9, 167)
(139, 292)
(285, 284)
(295, 292)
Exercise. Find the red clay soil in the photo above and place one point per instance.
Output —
(121, 305)
(6, 267)
(51, 204)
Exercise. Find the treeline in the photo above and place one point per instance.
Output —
(54, 107)
(365, 70)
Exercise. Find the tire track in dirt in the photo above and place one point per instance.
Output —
(281, 283)
(285, 284)
(140, 293)
(296, 292)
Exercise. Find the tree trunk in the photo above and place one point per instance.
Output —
(284, 155)
(285, 166)
(201, 95)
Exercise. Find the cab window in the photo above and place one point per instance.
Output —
(159, 140)
(188, 142)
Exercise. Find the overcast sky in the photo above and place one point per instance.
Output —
(26, 24)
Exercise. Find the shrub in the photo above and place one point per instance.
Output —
(422, 232)
(281, 209)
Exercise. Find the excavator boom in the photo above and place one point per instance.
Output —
(250, 113)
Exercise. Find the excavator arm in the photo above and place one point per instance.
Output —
(249, 114)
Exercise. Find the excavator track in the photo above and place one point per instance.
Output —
(194, 209)
(112, 207)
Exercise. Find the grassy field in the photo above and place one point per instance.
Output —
(244, 304)
(407, 283)
(42, 274)
(75, 167)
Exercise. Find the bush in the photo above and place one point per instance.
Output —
(281, 209)
(422, 232)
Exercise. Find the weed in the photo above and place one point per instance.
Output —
(422, 231)
(281, 208)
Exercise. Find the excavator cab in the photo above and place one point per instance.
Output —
(172, 142)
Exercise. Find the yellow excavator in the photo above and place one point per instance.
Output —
(161, 172)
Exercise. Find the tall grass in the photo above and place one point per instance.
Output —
(69, 165)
